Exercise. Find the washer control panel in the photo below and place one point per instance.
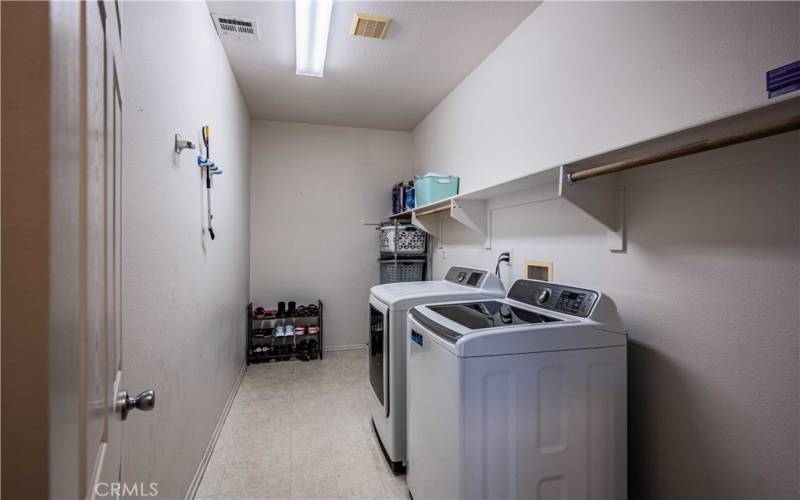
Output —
(465, 276)
(564, 299)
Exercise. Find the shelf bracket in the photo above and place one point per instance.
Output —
(487, 236)
(615, 237)
(601, 198)
(428, 223)
(471, 213)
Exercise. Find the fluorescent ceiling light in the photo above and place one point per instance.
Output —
(312, 21)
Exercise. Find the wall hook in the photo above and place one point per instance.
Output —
(181, 144)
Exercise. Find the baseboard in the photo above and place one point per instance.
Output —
(201, 469)
(351, 347)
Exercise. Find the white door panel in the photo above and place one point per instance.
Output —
(101, 259)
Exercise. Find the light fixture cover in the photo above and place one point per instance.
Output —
(312, 22)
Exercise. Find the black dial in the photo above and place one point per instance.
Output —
(461, 277)
(543, 296)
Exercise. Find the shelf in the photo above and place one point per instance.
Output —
(601, 198)
(473, 208)
(293, 320)
(527, 182)
(256, 336)
(263, 358)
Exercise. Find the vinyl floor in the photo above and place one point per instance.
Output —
(301, 430)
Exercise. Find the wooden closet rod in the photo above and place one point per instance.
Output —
(750, 134)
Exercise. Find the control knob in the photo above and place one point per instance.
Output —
(543, 296)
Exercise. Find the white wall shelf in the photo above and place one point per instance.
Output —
(602, 198)
(473, 209)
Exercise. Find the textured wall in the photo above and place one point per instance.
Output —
(576, 79)
(709, 285)
(312, 187)
(184, 295)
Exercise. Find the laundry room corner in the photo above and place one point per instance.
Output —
(314, 215)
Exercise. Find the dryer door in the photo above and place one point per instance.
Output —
(379, 352)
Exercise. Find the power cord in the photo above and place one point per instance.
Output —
(503, 257)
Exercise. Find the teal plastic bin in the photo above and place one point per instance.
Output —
(432, 188)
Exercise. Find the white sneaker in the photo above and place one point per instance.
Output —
(279, 331)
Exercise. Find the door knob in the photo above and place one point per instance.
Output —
(145, 401)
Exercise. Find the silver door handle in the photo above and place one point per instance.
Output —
(145, 401)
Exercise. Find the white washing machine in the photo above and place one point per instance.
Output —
(522, 397)
(389, 305)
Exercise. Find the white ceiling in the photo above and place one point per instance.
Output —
(387, 84)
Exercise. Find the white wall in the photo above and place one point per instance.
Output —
(312, 187)
(576, 79)
(713, 379)
(184, 295)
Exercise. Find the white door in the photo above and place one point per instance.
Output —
(106, 402)
(62, 240)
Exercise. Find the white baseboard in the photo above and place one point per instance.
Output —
(201, 469)
(351, 347)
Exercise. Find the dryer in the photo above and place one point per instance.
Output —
(388, 309)
(522, 397)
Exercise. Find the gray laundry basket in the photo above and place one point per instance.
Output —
(402, 270)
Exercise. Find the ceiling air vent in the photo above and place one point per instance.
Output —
(369, 26)
(242, 29)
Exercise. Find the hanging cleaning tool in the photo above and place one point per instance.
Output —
(210, 169)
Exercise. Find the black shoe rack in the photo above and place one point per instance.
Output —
(263, 346)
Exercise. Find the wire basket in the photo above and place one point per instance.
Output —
(402, 270)
(409, 239)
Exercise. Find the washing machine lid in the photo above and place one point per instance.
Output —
(460, 283)
(564, 318)
(490, 314)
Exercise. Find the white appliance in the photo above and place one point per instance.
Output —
(522, 397)
(389, 305)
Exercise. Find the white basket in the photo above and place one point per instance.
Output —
(410, 240)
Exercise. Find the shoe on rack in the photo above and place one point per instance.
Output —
(313, 349)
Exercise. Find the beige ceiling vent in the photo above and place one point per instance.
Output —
(236, 27)
(370, 26)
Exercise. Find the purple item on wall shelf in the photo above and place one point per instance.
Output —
(783, 80)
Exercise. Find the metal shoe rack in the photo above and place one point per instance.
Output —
(260, 333)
